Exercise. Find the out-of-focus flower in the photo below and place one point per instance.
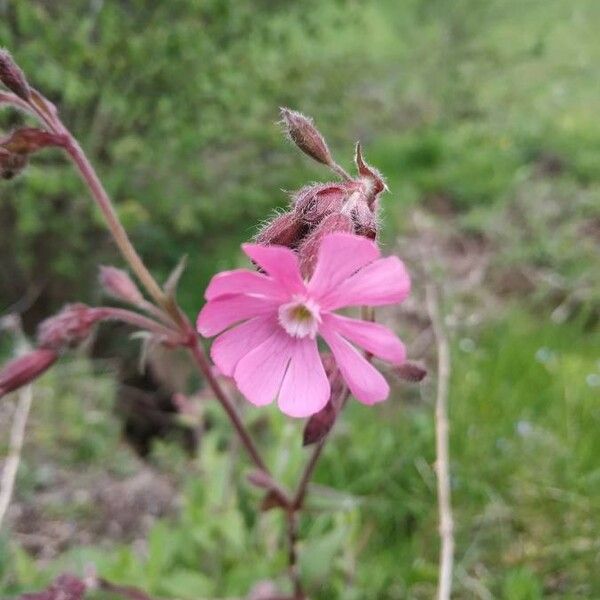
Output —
(273, 353)
(24, 369)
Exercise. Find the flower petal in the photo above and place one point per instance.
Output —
(373, 337)
(259, 374)
(242, 281)
(384, 281)
(366, 383)
(230, 347)
(280, 263)
(305, 389)
(340, 255)
(219, 314)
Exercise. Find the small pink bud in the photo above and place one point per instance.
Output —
(28, 140)
(410, 371)
(119, 285)
(12, 76)
(11, 164)
(24, 369)
(374, 178)
(286, 229)
(308, 251)
(70, 326)
(313, 202)
(306, 136)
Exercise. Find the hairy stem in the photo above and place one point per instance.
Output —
(340, 171)
(117, 230)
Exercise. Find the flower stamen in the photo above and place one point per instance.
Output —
(300, 317)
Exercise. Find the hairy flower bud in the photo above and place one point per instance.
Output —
(286, 229)
(306, 136)
(313, 202)
(12, 76)
(119, 285)
(364, 220)
(308, 251)
(24, 369)
(72, 325)
(28, 140)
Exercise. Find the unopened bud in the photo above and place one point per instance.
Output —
(28, 140)
(374, 178)
(365, 222)
(410, 371)
(12, 76)
(313, 202)
(308, 252)
(286, 229)
(306, 136)
(11, 164)
(72, 325)
(24, 369)
(320, 424)
(119, 285)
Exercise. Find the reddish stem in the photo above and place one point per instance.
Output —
(226, 403)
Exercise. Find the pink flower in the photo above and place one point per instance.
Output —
(271, 351)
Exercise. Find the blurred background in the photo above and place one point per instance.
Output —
(483, 116)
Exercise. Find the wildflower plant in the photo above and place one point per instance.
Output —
(279, 334)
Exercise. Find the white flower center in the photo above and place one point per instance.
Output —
(300, 317)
